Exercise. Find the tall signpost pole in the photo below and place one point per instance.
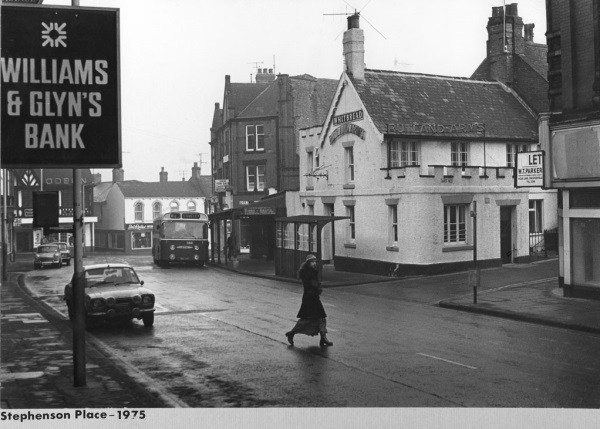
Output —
(4, 225)
(475, 279)
(78, 284)
(61, 98)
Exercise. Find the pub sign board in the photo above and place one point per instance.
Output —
(529, 170)
(60, 90)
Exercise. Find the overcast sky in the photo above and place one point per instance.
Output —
(175, 55)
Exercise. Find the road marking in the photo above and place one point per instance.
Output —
(446, 360)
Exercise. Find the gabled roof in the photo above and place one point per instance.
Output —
(312, 99)
(403, 98)
(242, 94)
(183, 189)
(265, 103)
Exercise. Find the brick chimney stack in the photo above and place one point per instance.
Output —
(164, 176)
(118, 175)
(505, 39)
(265, 76)
(354, 48)
(529, 32)
(196, 171)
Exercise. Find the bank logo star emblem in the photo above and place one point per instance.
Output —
(54, 35)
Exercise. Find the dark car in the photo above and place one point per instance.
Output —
(113, 292)
(47, 254)
(64, 252)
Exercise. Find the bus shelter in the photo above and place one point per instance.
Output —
(296, 237)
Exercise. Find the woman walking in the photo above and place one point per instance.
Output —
(311, 314)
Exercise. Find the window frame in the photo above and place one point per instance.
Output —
(257, 171)
(138, 211)
(350, 165)
(538, 218)
(255, 138)
(156, 209)
(457, 154)
(453, 229)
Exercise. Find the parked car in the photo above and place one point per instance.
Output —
(47, 254)
(64, 252)
(113, 291)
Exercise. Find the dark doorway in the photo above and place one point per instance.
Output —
(506, 234)
(24, 241)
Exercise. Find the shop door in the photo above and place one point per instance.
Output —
(506, 234)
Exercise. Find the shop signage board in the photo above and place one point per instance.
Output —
(529, 170)
(259, 211)
(221, 185)
(60, 94)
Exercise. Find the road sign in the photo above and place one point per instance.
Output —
(60, 95)
(529, 172)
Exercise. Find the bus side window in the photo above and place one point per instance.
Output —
(205, 231)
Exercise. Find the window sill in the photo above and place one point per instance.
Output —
(457, 248)
(349, 186)
(392, 248)
(350, 245)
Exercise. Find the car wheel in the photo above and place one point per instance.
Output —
(148, 319)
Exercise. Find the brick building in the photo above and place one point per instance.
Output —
(572, 145)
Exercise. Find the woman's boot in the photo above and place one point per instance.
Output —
(290, 337)
(324, 341)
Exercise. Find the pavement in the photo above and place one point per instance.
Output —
(36, 368)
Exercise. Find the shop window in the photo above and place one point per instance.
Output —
(288, 236)
(313, 238)
(585, 252)
(455, 224)
(302, 238)
(141, 240)
(139, 212)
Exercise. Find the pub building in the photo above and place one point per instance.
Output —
(411, 161)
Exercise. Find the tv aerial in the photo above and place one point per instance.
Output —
(357, 13)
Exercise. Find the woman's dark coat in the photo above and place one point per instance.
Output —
(311, 307)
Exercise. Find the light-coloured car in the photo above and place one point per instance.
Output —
(65, 253)
(47, 254)
(113, 291)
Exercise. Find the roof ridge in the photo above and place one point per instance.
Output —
(432, 76)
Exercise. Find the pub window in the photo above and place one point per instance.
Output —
(459, 154)
(455, 224)
(403, 153)
(349, 164)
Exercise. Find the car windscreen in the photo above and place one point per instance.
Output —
(110, 276)
(47, 249)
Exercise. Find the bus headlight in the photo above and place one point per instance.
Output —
(196, 257)
(172, 247)
(172, 257)
(196, 247)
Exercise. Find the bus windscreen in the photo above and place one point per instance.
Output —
(183, 230)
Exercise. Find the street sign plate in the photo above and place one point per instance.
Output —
(59, 78)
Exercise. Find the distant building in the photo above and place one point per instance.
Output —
(27, 181)
(126, 209)
(572, 144)
(254, 145)
(407, 158)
